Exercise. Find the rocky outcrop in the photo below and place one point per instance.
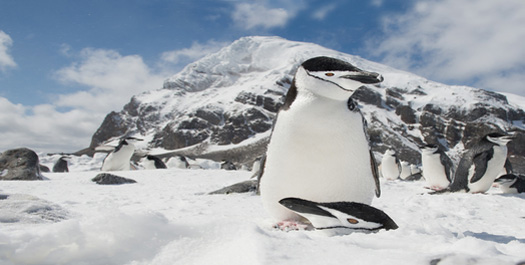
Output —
(110, 179)
(19, 164)
(223, 105)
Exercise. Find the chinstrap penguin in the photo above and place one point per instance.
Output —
(390, 165)
(153, 162)
(437, 167)
(481, 164)
(120, 158)
(319, 149)
(61, 165)
(511, 183)
(339, 218)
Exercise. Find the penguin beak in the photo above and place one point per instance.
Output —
(365, 77)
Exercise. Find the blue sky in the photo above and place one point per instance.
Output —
(65, 64)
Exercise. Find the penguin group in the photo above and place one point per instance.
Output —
(391, 168)
(478, 169)
(479, 166)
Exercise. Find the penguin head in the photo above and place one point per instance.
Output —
(390, 152)
(344, 217)
(333, 78)
(499, 139)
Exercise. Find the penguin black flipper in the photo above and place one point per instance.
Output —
(375, 173)
(447, 163)
(480, 165)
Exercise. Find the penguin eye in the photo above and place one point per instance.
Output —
(352, 221)
(329, 74)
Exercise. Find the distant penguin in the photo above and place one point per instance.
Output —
(338, 218)
(511, 183)
(61, 165)
(319, 149)
(390, 165)
(437, 167)
(120, 158)
(152, 162)
(481, 164)
(405, 170)
(178, 162)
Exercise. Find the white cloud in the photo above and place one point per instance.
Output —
(43, 128)
(254, 15)
(460, 41)
(377, 3)
(6, 60)
(111, 80)
(195, 52)
(321, 13)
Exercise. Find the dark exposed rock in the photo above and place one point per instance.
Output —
(110, 179)
(267, 103)
(241, 187)
(406, 113)
(212, 117)
(44, 169)
(19, 164)
(368, 96)
(112, 126)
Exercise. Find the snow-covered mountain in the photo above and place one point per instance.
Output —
(223, 106)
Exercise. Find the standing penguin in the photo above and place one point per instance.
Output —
(390, 165)
(61, 165)
(120, 158)
(319, 149)
(437, 167)
(481, 164)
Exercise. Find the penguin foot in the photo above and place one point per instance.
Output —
(288, 226)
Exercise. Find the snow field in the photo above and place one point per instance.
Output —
(167, 218)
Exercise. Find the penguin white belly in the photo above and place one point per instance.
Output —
(494, 168)
(389, 168)
(434, 172)
(323, 158)
(119, 161)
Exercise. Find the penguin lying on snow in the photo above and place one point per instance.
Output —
(120, 158)
(340, 217)
(511, 183)
(480, 165)
(153, 162)
(319, 149)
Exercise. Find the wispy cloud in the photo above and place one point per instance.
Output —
(323, 11)
(6, 60)
(195, 52)
(265, 14)
(249, 16)
(459, 41)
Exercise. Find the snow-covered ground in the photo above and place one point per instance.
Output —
(167, 218)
